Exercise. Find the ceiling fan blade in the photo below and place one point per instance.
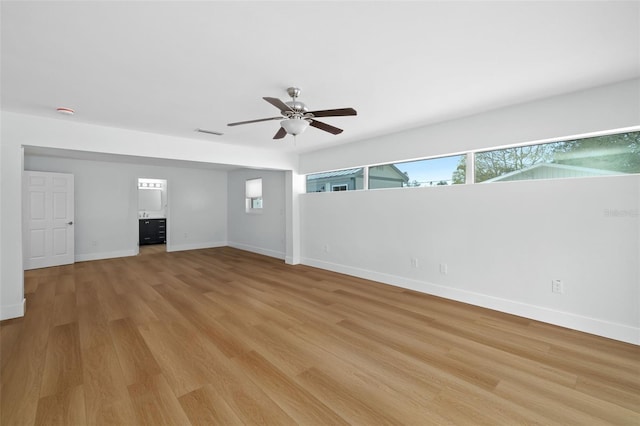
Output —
(334, 112)
(326, 127)
(254, 121)
(281, 133)
(278, 104)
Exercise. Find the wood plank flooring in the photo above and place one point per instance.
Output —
(222, 336)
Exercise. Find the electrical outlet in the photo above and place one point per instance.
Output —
(326, 248)
(444, 269)
(186, 235)
(557, 286)
(414, 262)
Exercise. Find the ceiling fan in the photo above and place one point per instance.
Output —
(295, 116)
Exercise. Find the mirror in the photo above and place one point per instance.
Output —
(150, 199)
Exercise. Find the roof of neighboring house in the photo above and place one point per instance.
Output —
(346, 172)
(392, 167)
(583, 170)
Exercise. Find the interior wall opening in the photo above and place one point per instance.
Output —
(152, 215)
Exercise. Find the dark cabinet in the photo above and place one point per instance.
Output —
(152, 231)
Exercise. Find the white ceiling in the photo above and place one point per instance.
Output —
(172, 67)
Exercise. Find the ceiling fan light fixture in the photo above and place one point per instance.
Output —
(294, 126)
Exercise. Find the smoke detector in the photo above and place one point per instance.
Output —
(65, 111)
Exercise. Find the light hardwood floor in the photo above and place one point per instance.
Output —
(152, 249)
(221, 336)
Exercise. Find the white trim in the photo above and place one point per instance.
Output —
(259, 250)
(195, 246)
(365, 178)
(105, 255)
(590, 325)
(13, 311)
(290, 260)
(470, 169)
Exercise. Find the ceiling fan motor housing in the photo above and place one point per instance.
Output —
(297, 107)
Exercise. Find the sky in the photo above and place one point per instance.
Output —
(435, 169)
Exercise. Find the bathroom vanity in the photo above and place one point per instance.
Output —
(152, 231)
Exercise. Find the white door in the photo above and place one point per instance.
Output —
(48, 214)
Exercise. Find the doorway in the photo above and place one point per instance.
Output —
(152, 215)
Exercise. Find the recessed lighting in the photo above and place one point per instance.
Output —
(65, 111)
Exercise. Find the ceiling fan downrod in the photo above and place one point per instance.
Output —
(299, 109)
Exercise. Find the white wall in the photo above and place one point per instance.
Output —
(602, 108)
(503, 243)
(263, 232)
(12, 300)
(106, 210)
(198, 206)
(64, 133)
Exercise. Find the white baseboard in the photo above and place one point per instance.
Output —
(291, 260)
(590, 325)
(195, 246)
(104, 255)
(13, 311)
(259, 250)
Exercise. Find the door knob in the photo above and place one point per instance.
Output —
(70, 223)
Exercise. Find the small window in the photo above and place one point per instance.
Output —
(256, 203)
(253, 195)
(339, 180)
(430, 172)
(597, 156)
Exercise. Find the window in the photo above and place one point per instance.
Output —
(253, 195)
(613, 154)
(339, 180)
(431, 172)
(256, 203)
(597, 156)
